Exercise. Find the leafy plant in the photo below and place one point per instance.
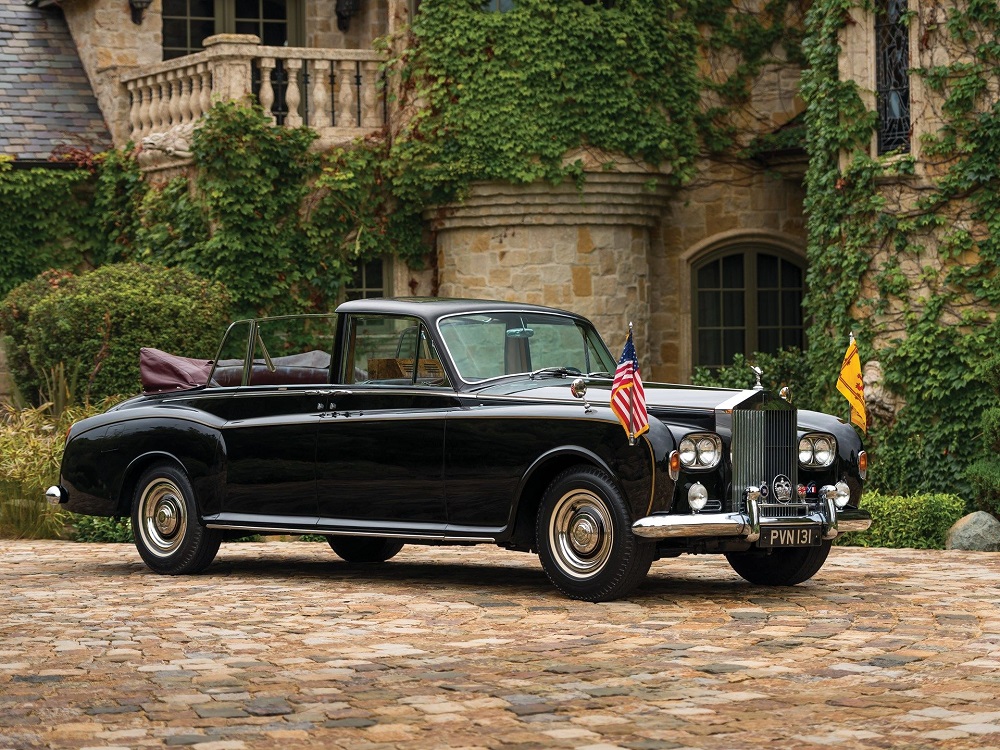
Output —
(101, 529)
(31, 446)
(92, 326)
(984, 475)
(913, 521)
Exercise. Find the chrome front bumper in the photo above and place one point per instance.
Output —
(748, 525)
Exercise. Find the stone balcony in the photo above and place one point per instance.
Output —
(334, 91)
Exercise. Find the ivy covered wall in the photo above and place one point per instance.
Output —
(903, 248)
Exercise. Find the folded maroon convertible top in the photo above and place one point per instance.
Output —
(160, 371)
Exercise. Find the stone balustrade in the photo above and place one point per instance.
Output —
(334, 91)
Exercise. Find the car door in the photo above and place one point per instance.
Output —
(272, 419)
(380, 446)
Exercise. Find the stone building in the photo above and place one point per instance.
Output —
(704, 272)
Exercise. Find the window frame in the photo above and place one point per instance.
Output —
(749, 251)
(888, 82)
(224, 15)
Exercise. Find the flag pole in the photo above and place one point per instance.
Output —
(631, 393)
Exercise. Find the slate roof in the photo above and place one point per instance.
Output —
(45, 97)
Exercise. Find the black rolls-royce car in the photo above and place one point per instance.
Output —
(433, 421)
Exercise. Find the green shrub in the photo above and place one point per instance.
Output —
(101, 529)
(31, 446)
(96, 323)
(14, 311)
(915, 521)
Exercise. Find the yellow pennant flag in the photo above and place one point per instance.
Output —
(852, 386)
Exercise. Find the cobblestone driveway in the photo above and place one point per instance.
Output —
(282, 645)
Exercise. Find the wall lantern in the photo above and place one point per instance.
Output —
(137, 7)
(345, 9)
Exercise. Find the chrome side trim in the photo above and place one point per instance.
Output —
(337, 532)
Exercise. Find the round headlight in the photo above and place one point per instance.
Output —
(688, 452)
(817, 450)
(823, 451)
(708, 452)
(805, 451)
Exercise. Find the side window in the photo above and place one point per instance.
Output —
(293, 351)
(232, 356)
(391, 350)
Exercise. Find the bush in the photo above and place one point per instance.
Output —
(31, 446)
(915, 521)
(14, 311)
(101, 529)
(96, 323)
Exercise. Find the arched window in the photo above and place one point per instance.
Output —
(746, 299)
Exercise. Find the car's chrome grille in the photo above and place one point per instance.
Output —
(764, 448)
(776, 510)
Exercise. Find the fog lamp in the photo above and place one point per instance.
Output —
(697, 496)
(843, 494)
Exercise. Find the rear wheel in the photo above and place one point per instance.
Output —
(585, 540)
(168, 535)
(364, 549)
(785, 566)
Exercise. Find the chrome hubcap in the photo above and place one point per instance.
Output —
(581, 534)
(163, 517)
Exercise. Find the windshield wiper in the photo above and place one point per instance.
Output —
(559, 372)
(599, 374)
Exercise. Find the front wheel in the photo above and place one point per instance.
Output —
(784, 566)
(168, 535)
(364, 549)
(585, 540)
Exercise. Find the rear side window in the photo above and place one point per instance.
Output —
(391, 350)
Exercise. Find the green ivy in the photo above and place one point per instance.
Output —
(934, 331)
(505, 96)
(910, 521)
(44, 215)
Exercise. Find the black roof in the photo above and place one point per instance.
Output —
(432, 308)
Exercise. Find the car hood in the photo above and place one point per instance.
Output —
(658, 395)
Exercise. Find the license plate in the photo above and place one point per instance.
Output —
(789, 536)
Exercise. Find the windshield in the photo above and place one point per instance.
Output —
(491, 345)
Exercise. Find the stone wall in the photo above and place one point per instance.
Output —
(727, 205)
(108, 43)
(584, 250)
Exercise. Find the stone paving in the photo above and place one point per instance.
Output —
(281, 645)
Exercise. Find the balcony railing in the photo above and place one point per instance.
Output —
(334, 91)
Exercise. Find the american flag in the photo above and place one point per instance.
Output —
(628, 399)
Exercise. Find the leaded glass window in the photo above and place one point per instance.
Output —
(892, 64)
(746, 300)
